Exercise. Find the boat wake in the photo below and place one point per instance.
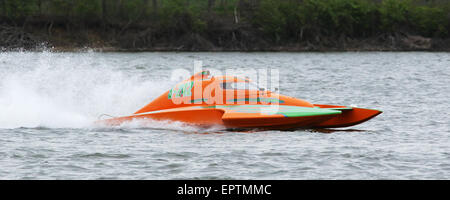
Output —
(161, 125)
(68, 90)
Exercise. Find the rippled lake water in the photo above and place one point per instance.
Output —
(48, 102)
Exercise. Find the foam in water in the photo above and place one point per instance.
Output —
(69, 90)
(166, 125)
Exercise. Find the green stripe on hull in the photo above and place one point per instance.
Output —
(287, 111)
(302, 112)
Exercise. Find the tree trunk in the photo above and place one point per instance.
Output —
(210, 5)
(39, 6)
(223, 3)
(155, 6)
(3, 5)
(104, 13)
(144, 7)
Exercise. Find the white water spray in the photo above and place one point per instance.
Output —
(70, 90)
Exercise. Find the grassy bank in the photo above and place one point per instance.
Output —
(243, 25)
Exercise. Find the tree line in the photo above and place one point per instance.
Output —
(277, 20)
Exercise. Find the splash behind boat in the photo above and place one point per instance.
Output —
(234, 102)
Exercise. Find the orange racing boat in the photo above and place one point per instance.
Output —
(234, 102)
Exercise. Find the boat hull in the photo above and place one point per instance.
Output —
(287, 117)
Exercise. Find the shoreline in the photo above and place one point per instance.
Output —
(242, 26)
(57, 49)
(109, 50)
(32, 39)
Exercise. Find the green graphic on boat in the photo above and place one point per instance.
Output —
(181, 90)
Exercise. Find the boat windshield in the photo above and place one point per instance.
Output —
(240, 86)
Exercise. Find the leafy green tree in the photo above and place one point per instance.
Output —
(394, 14)
(270, 18)
(430, 21)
